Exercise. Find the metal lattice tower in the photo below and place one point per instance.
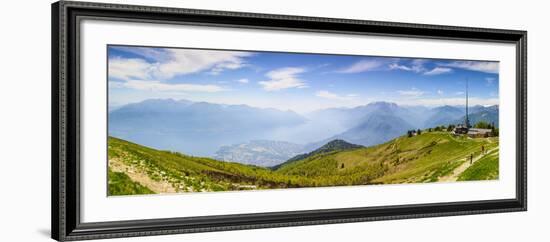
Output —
(467, 120)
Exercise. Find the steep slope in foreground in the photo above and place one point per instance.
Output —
(423, 158)
(169, 172)
(484, 169)
(429, 157)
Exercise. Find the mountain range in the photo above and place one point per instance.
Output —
(267, 136)
(197, 128)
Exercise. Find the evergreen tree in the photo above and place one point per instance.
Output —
(450, 128)
(482, 125)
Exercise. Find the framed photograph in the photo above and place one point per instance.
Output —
(173, 120)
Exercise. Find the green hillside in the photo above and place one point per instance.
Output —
(121, 184)
(167, 172)
(421, 158)
(484, 169)
(332, 146)
(429, 157)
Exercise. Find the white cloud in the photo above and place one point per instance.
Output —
(440, 92)
(481, 66)
(438, 71)
(334, 96)
(243, 81)
(283, 78)
(158, 86)
(182, 61)
(459, 93)
(417, 66)
(396, 66)
(362, 66)
(412, 93)
(154, 71)
(129, 68)
(156, 54)
(168, 63)
(287, 72)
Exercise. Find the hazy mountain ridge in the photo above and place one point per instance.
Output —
(376, 129)
(208, 129)
(380, 122)
(488, 114)
(197, 128)
(443, 115)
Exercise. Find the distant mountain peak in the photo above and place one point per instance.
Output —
(337, 144)
(383, 104)
(448, 107)
(337, 141)
(165, 100)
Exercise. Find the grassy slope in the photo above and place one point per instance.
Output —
(421, 158)
(330, 147)
(121, 184)
(188, 173)
(484, 169)
(429, 163)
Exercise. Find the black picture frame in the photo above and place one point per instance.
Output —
(65, 200)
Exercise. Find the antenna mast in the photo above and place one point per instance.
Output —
(467, 121)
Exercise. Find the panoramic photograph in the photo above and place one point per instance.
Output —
(184, 120)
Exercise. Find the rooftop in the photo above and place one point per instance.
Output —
(478, 131)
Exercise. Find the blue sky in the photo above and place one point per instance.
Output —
(294, 81)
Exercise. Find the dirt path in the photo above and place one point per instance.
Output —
(453, 176)
(141, 177)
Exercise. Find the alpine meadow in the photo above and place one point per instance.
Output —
(199, 120)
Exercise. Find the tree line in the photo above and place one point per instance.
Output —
(450, 127)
